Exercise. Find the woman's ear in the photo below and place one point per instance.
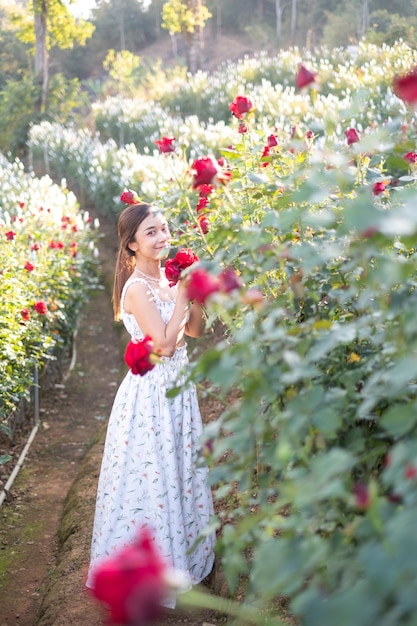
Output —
(132, 246)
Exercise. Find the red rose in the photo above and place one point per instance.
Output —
(172, 272)
(201, 285)
(41, 307)
(205, 190)
(35, 247)
(29, 267)
(378, 188)
(137, 355)
(56, 245)
(309, 134)
(129, 197)
(203, 223)
(240, 106)
(206, 170)
(165, 144)
(410, 472)
(131, 583)
(410, 157)
(242, 128)
(202, 204)
(10, 235)
(405, 87)
(362, 496)
(229, 281)
(272, 141)
(25, 314)
(173, 267)
(185, 257)
(304, 77)
(352, 136)
(369, 232)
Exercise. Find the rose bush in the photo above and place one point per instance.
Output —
(47, 252)
(316, 446)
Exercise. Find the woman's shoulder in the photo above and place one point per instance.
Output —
(141, 287)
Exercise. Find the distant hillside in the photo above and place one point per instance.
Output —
(216, 50)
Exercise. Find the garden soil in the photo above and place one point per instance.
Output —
(46, 519)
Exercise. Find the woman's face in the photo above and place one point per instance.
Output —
(152, 238)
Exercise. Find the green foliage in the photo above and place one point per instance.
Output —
(18, 111)
(63, 29)
(126, 70)
(184, 16)
(389, 28)
(17, 102)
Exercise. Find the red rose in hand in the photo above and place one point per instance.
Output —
(352, 136)
(405, 87)
(207, 171)
(304, 77)
(166, 144)
(138, 355)
(131, 583)
(173, 267)
(172, 272)
(129, 197)
(240, 106)
(186, 257)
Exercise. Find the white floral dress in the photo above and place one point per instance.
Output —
(150, 473)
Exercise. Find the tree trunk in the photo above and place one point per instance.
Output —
(194, 41)
(293, 21)
(122, 27)
(193, 44)
(278, 22)
(365, 18)
(41, 51)
(260, 9)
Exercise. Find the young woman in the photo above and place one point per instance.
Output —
(149, 474)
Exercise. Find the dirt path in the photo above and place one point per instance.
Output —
(46, 524)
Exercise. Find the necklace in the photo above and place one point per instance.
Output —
(155, 280)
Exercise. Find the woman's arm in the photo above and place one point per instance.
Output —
(196, 321)
(166, 337)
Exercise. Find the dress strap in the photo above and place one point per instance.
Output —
(130, 281)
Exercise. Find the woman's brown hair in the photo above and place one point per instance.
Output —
(129, 221)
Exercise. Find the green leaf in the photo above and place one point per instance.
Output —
(399, 419)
